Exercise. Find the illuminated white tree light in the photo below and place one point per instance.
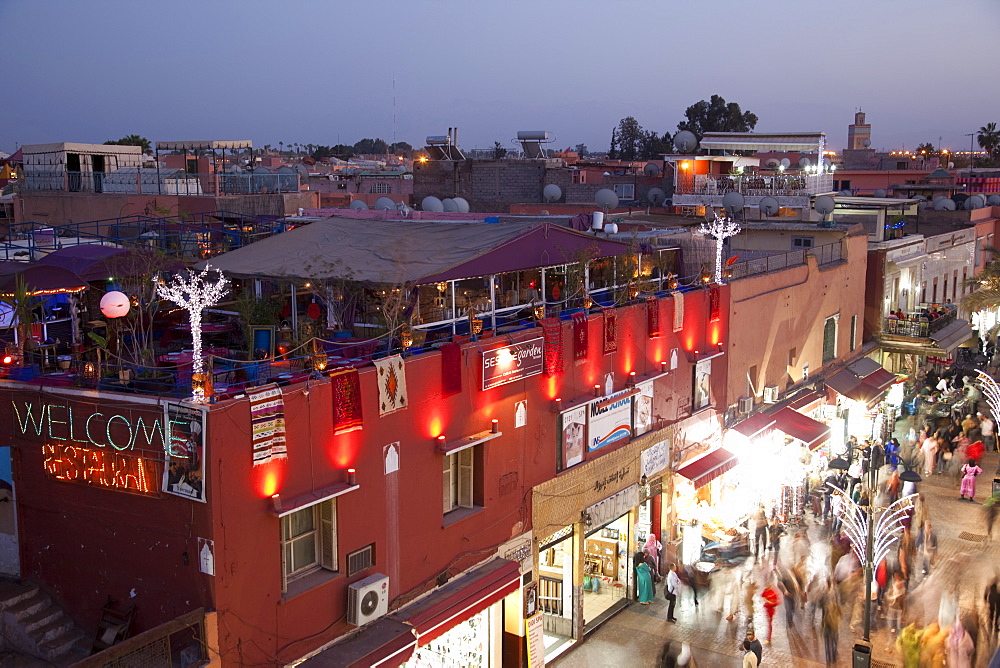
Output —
(887, 528)
(991, 391)
(721, 229)
(194, 292)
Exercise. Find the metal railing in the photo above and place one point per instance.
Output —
(825, 254)
(754, 185)
(146, 181)
(916, 325)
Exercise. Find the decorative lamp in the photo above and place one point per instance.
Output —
(672, 283)
(441, 440)
(201, 384)
(276, 502)
(89, 370)
(587, 301)
(442, 287)
(352, 476)
(494, 426)
(556, 405)
(406, 337)
(597, 390)
(663, 366)
(476, 325)
(115, 304)
(319, 360)
(631, 378)
(706, 275)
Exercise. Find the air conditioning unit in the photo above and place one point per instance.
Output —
(367, 599)
(770, 394)
(745, 405)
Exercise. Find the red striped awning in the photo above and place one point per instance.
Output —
(386, 643)
(881, 379)
(802, 427)
(706, 469)
(462, 598)
(755, 425)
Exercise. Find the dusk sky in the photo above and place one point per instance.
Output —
(322, 72)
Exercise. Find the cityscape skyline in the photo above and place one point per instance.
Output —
(245, 71)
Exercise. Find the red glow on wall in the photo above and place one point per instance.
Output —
(269, 478)
(715, 333)
(552, 387)
(343, 449)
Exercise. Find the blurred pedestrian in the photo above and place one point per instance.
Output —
(752, 645)
(992, 598)
(990, 510)
(929, 448)
(969, 473)
(895, 603)
(760, 531)
(775, 531)
(670, 591)
(772, 599)
(831, 625)
(908, 644)
(976, 451)
(987, 428)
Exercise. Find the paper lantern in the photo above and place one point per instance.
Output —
(115, 304)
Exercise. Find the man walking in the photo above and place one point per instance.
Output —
(752, 645)
(986, 426)
(670, 591)
(760, 532)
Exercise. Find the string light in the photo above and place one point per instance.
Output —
(194, 292)
(721, 229)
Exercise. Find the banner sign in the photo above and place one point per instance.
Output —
(574, 435)
(184, 468)
(614, 506)
(611, 419)
(654, 459)
(536, 641)
(515, 361)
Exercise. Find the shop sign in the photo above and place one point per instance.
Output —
(518, 549)
(644, 408)
(654, 459)
(512, 362)
(536, 641)
(702, 384)
(573, 436)
(611, 419)
(118, 429)
(612, 478)
(614, 506)
(101, 468)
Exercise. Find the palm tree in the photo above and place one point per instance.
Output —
(985, 286)
(281, 147)
(989, 138)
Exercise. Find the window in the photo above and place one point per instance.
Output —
(965, 277)
(792, 355)
(830, 339)
(934, 291)
(380, 188)
(458, 474)
(625, 191)
(308, 541)
(954, 286)
(923, 292)
(802, 242)
(845, 184)
(854, 332)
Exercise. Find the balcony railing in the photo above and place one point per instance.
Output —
(916, 325)
(136, 181)
(753, 185)
(824, 255)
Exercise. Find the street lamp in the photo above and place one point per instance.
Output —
(871, 536)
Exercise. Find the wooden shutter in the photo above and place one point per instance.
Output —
(446, 483)
(465, 475)
(328, 534)
(283, 522)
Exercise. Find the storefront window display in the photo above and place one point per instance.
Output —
(471, 643)
(555, 584)
(607, 568)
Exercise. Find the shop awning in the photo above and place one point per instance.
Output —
(948, 338)
(708, 468)
(802, 427)
(755, 425)
(804, 400)
(846, 383)
(881, 379)
(462, 598)
(386, 643)
(872, 373)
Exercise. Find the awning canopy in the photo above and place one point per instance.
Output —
(756, 141)
(386, 643)
(462, 598)
(94, 262)
(203, 144)
(417, 252)
(804, 400)
(284, 507)
(754, 425)
(802, 427)
(706, 469)
(949, 337)
(38, 280)
(849, 385)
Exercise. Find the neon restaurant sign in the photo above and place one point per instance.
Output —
(116, 449)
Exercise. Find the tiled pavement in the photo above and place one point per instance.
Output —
(636, 635)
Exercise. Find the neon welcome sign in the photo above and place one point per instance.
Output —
(97, 429)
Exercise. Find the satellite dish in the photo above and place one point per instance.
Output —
(866, 143)
(359, 205)
(551, 193)
(431, 203)
(656, 196)
(285, 169)
(385, 204)
(786, 163)
(944, 204)
(261, 170)
(937, 197)
(651, 170)
(846, 193)
(920, 198)
(880, 193)
(234, 169)
(925, 206)
(606, 198)
(975, 202)
(733, 203)
(824, 205)
(993, 200)
(951, 165)
(302, 170)
(959, 198)
(768, 206)
(772, 163)
(804, 162)
(685, 141)
(462, 204)
(449, 205)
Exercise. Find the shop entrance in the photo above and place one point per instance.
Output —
(607, 570)
(555, 588)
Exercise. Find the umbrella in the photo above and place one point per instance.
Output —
(38, 280)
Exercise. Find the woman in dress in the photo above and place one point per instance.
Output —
(929, 449)
(644, 583)
(969, 473)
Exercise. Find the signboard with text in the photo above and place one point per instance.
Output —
(610, 419)
(536, 641)
(515, 361)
